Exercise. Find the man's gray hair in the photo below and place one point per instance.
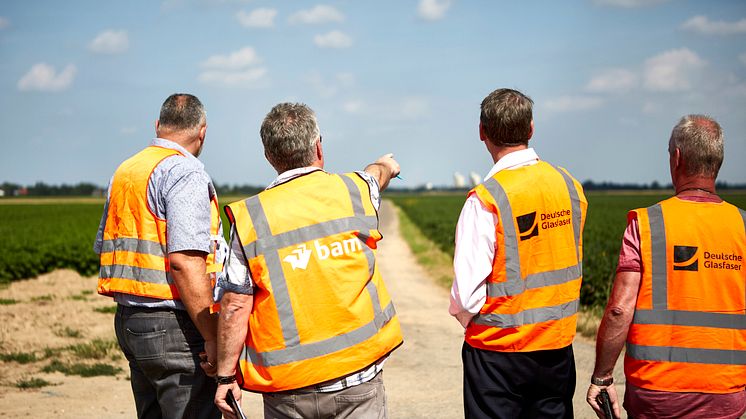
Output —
(289, 133)
(699, 139)
(506, 117)
(182, 112)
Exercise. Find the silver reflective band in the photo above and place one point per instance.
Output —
(512, 258)
(688, 355)
(305, 234)
(530, 316)
(269, 244)
(537, 280)
(515, 283)
(690, 318)
(153, 276)
(131, 244)
(658, 269)
(312, 350)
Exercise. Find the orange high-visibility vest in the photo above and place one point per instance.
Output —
(134, 257)
(321, 310)
(689, 329)
(534, 287)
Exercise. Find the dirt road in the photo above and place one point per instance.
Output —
(422, 377)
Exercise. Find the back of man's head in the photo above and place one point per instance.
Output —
(506, 117)
(183, 113)
(289, 133)
(699, 139)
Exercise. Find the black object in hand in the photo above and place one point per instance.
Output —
(234, 405)
(604, 401)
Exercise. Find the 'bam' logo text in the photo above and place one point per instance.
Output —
(299, 258)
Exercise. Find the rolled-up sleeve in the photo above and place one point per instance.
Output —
(236, 276)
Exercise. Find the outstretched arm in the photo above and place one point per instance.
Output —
(383, 170)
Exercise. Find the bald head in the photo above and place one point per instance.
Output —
(182, 113)
(699, 139)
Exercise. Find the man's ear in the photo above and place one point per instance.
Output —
(202, 132)
(157, 127)
(482, 135)
(531, 133)
(319, 151)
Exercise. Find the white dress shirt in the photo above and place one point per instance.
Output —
(475, 245)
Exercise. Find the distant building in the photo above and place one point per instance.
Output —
(2, 192)
(475, 178)
(459, 181)
(429, 186)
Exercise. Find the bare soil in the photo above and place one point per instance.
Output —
(423, 377)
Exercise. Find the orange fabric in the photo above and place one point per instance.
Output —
(130, 218)
(328, 296)
(542, 189)
(714, 229)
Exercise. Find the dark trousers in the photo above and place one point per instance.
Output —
(162, 347)
(536, 384)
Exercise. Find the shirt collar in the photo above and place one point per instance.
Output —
(292, 174)
(514, 160)
(162, 142)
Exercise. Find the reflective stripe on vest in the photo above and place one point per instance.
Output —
(661, 315)
(516, 283)
(688, 333)
(133, 255)
(269, 246)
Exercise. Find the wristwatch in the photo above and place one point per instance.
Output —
(602, 381)
(225, 379)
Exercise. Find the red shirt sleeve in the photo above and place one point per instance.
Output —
(629, 255)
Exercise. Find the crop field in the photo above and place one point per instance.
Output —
(436, 217)
(41, 235)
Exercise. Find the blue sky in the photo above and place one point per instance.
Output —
(81, 82)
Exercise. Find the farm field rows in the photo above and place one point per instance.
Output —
(40, 236)
(436, 217)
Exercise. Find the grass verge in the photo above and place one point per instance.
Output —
(29, 383)
(83, 370)
(436, 262)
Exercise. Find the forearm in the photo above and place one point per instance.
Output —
(381, 173)
(612, 333)
(189, 274)
(232, 328)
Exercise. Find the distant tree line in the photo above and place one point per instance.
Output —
(89, 189)
(43, 189)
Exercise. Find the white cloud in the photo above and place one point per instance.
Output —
(650, 108)
(333, 39)
(672, 70)
(629, 4)
(234, 61)
(573, 103)
(258, 18)
(353, 106)
(110, 42)
(346, 79)
(704, 25)
(43, 77)
(433, 9)
(246, 78)
(4, 22)
(742, 57)
(413, 108)
(612, 80)
(238, 68)
(318, 14)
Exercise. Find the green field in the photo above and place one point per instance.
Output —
(46, 234)
(436, 216)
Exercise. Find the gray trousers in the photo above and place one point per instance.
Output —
(162, 347)
(363, 401)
